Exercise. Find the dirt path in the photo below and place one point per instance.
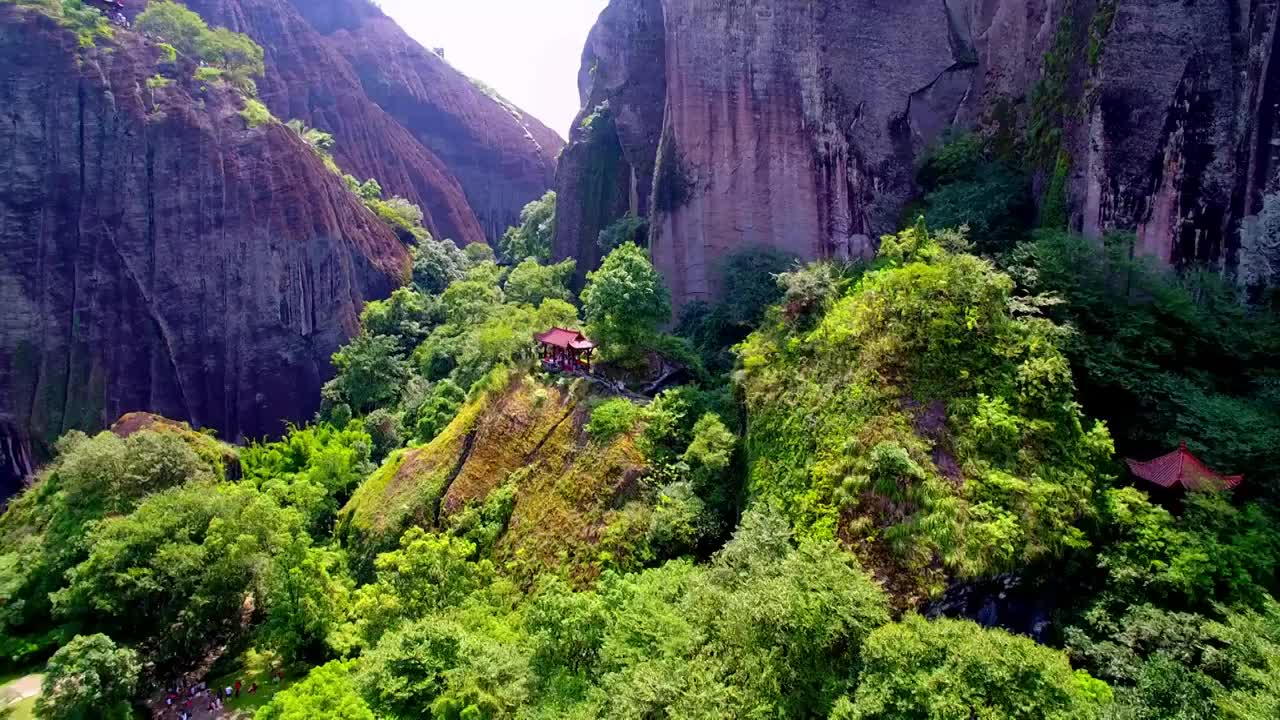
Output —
(20, 689)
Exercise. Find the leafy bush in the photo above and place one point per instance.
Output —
(236, 55)
(625, 301)
(88, 22)
(612, 418)
(255, 114)
(328, 692)
(89, 677)
(934, 670)
(626, 229)
(402, 216)
(532, 237)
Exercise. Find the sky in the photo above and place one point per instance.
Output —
(527, 50)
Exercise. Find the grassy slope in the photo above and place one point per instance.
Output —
(570, 492)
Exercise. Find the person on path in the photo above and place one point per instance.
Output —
(237, 688)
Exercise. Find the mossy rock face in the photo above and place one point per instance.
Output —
(923, 424)
(222, 457)
(571, 494)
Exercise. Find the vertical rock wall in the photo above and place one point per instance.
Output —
(157, 254)
(797, 124)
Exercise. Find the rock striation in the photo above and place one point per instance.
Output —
(797, 124)
(157, 253)
(398, 112)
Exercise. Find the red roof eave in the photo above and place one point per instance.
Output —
(1181, 468)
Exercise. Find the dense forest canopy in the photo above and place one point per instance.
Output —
(759, 507)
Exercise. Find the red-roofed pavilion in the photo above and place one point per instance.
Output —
(563, 349)
(1182, 469)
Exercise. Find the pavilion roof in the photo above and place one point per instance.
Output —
(564, 338)
(1181, 468)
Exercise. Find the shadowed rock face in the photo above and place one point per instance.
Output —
(398, 112)
(1181, 141)
(798, 125)
(156, 254)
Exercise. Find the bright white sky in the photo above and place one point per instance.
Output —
(527, 50)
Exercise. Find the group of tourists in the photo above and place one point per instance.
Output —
(184, 699)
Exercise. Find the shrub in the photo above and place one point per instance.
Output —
(186, 32)
(626, 229)
(88, 22)
(255, 114)
(328, 691)
(969, 672)
(612, 418)
(89, 677)
(532, 237)
(625, 301)
(206, 74)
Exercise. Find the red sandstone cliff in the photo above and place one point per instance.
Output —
(398, 112)
(157, 254)
(797, 124)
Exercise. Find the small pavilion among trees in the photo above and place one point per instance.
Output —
(565, 350)
(1181, 469)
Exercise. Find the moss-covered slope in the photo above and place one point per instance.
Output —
(926, 418)
(573, 502)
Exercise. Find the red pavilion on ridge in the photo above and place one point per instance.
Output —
(567, 350)
(1182, 469)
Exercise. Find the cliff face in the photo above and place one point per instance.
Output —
(798, 124)
(398, 112)
(157, 254)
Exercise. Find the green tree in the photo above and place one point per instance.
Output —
(89, 677)
(750, 277)
(626, 229)
(625, 301)
(531, 283)
(436, 264)
(943, 669)
(328, 691)
(407, 316)
(312, 469)
(371, 372)
(176, 572)
(532, 237)
(612, 418)
(384, 429)
(428, 573)
(442, 405)
(306, 592)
